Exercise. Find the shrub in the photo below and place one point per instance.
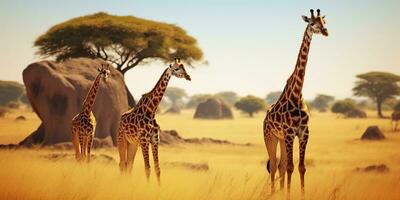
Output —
(13, 105)
(343, 106)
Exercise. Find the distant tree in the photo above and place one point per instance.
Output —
(321, 102)
(10, 91)
(389, 104)
(13, 105)
(164, 104)
(343, 106)
(195, 100)
(397, 107)
(125, 41)
(175, 95)
(228, 97)
(272, 97)
(378, 86)
(24, 99)
(250, 104)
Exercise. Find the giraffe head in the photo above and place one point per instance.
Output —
(316, 23)
(104, 71)
(178, 69)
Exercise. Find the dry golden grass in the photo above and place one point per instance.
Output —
(236, 172)
(12, 131)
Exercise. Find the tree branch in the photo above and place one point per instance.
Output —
(105, 53)
(132, 65)
(123, 60)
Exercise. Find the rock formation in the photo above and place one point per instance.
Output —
(56, 92)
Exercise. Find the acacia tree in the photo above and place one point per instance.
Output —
(196, 99)
(343, 106)
(321, 102)
(228, 97)
(378, 86)
(124, 41)
(175, 95)
(250, 104)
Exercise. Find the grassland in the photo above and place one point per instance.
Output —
(235, 172)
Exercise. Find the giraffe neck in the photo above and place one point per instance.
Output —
(295, 82)
(91, 96)
(157, 93)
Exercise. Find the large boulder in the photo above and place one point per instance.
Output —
(213, 109)
(373, 133)
(56, 92)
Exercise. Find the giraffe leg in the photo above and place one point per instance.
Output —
(271, 143)
(89, 146)
(122, 150)
(282, 164)
(302, 169)
(85, 147)
(82, 146)
(75, 142)
(145, 152)
(131, 152)
(154, 149)
(289, 138)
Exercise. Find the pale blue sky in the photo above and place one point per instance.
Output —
(251, 46)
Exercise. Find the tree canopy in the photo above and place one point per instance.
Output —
(378, 86)
(343, 106)
(321, 102)
(228, 97)
(250, 104)
(10, 91)
(175, 94)
(196, 99)
(125, 41)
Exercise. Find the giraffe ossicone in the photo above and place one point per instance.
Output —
(288, 117)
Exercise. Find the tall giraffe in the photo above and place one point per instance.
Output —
(138, 125)
(288, 117)
(84, 123)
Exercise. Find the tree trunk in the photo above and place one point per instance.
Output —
(131, 100)
(251, 114)
(379, 108)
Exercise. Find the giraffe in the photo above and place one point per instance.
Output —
(395, 119)
(288, 117)
(84, 123)
(139, 127)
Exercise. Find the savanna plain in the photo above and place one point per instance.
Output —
(234, 171)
